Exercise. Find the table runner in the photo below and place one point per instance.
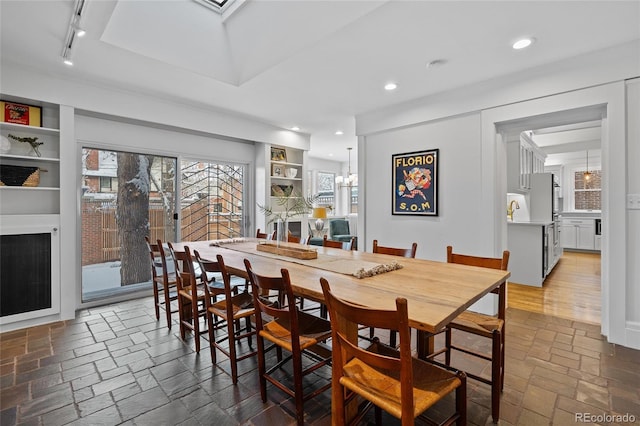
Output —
(354, 267)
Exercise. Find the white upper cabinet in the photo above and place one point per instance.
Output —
(523, 158)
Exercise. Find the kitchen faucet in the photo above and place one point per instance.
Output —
(510, 209)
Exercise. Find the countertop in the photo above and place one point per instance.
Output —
(529, 223)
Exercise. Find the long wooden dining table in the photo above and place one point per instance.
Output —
(436, 292)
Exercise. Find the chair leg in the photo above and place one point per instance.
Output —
(502, 358)
(297, 385)
(212, 337)
(167, 305)
(156, 299)
(195, 323)
(461, 400)
(262, 369)
(447, 345)
(232, 350)
(181, 315)
(496, 364)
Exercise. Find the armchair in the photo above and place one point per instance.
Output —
(339, 230)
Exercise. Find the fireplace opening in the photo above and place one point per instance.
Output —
(25, 273)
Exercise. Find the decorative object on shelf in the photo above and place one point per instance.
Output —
(415, 183)
(276, 170)
(319, 213)
(19, 175)
(35, 145)
(5, 145)
(291, 172)
(350, 180)
(281, 190)
(27, 115)
(288, 205)
(278, 154)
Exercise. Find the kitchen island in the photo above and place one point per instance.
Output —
(534, 251)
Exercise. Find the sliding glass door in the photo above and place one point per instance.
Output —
(212, 196)
(126, 196)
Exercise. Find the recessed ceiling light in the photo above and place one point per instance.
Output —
(390, 86)
(522, 43)
(295, 128)
(80, 32)
(339, 132)
(68, 62)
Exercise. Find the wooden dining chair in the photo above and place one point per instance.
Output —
(233, 308)
(164, 282)
(344, 245)
(289, 329)
(265, 236)
(491, 327)
(292, 238)
(393, 251)
(391, 380)
(191, 294)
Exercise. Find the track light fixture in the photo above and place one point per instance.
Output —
(75, 30)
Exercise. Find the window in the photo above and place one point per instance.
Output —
(325, 188)
(211, 203)
(587, 193)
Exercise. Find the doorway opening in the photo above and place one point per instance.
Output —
(572, 289)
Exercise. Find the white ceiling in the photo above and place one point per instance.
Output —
(314, 64)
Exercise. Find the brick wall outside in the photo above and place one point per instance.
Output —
(588, 200)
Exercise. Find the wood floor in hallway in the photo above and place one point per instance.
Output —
(571, 291)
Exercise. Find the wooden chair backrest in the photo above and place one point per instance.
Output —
(284, 309)
(183, 262)
(156, 262)
(393, 251)
(265, 236)
(343, 350)
(344, 245)
(501, 263)
(212, 266)
(292, 238)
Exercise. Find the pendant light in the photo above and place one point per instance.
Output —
(587, 175)
(350, 179)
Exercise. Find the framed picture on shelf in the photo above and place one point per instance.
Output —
(27, 115)
(276, 170)
(415, 183)
(278, 154)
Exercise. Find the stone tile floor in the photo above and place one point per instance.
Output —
(117, 365)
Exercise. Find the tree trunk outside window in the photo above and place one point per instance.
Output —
(132, 216)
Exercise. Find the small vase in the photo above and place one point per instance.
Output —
(282, 234)
(5, 145)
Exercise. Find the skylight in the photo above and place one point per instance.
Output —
(219, 6)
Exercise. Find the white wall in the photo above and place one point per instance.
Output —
(633, 216)
(459, 187)
(471, 148)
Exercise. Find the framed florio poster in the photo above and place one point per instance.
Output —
(415, 183)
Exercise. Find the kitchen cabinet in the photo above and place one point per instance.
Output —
(523, 158)
(577, 234)
(533, 254)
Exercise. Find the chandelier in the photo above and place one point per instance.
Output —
(350, 179)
